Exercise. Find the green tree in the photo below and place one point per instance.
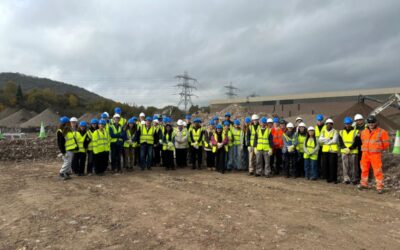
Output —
(73, 101)
(19, 96)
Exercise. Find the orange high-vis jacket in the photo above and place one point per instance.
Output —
(277, 138)
(374, 141)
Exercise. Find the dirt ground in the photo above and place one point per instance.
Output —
(188, 209)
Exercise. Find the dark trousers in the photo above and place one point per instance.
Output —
(300, 165)
(319, 164)
(289, 163)
(146, 156)
(220, 159)
(90, 162)
(329, 166)
(157, 155)
(78, 163)
(197, 157)
(137, 156)
(116, 151)
(100, 162)
(168, 159)
(181, 157)
(210, 159)
(358, 167)
(277, 159)
(245, 158)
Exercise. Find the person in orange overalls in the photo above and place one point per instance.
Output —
(374, 141)
(277, 132)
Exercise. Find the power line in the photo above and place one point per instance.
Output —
(231, 90)
(186, 89)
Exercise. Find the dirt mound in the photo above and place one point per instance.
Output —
(17, 118)
(28, 149)
(88, 116)
(235, 110)
(365, 110)
(48, 117)
(7, 112)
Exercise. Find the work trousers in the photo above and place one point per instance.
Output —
(100, 162)
(146, 156)
(116, 151)
(220, 159)
(197, 157)
(168, 159)
(129, 157)
(276, 161)
(252, 160)
(181, 157)
(329, 166)
(78, 163)
(210, 156)
(374, 159)
(263, 163)
(67, 163)
(349, 163)
(289, 164)
(90, 162)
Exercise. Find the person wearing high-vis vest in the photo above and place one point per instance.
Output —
(219, 142)
(67, 145)
(146, 136)
(311, 148)
(79, 159)
(238, 135)
(90, 162)
(196, 135)
(375, 140)
(128, 134)
(210, 156)
(277, 131)
(360, 126)
(348, 141)
(181, 144)
(318, 129)
(116, 144)
(329, 139)
(301, 135)
(229, 154)
(289, 151)
(101, 148)
(263, 145)
(159, 129)
(168, 147)
(245, 152)
(251, 133)
(122, 120)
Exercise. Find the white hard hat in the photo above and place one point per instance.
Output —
(290, 125)
(255, 117)
(358, 117)
(299, 118)
(155, 121)
(302, 124)
(73, 119)
(311, 128)
(269, 120)
(179, 122)
(184, 124)
(143, 122)
(142, 114)
(117, 116)
(329, 121)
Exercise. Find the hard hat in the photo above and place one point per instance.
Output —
(148, 118)
(142, 115)
(227, 114)
(236, 122)
(134, 118)
(358, 117)
(155, 117)
(311, 128)
(117, 110)
(329, 121)
(64, 120)
(347, 120)
(290, 125)
(169, 120)
(299, 118)
(131, 121)
(142, 122)
(94, 121)
(270, 120)
(219, 126)
(104, 115)
(184, 124)
(371, 119)
(117, 116)
(102, 122)
(247, 120)
(302, 124)
(196, 120)
(212, 123)
(226, 123)
(215, 118)
(83, 124)
(187, 117)
(179, 122)
(282, 121)
(155, 121)
(276, 120)
(255, 117)
(165, 120)
(264, 120)
(320, 117)
(73, 119)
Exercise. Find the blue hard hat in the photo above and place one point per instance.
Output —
(155, 117)
(134, 118)
(168, 120)
(104, 115)
(212, 123)
(276, 120)
(228, 114)
(219, 126)
(148, 118)
(320, 117)
(247, 120)
(94, 121)
(236, 122)
(263, 120)
(118, 110)
(102, 122)
(347, 120)
(82, 124)
(64, 120)
(165, 119)
(215, 118)
(197, 120)
(226, 123)
(131, 120)
(188, 116)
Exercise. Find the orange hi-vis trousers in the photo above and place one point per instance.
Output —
(374, 159)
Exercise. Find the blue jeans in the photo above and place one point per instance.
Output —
(146, 156)
(237, 157)
(311, 169)
(229, 159)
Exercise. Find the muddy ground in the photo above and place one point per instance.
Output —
(188, 209)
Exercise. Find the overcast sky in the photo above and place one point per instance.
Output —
(130, 51)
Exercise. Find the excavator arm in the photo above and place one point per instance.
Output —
(393, 99)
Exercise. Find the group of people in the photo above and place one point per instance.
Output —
(262, 146)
